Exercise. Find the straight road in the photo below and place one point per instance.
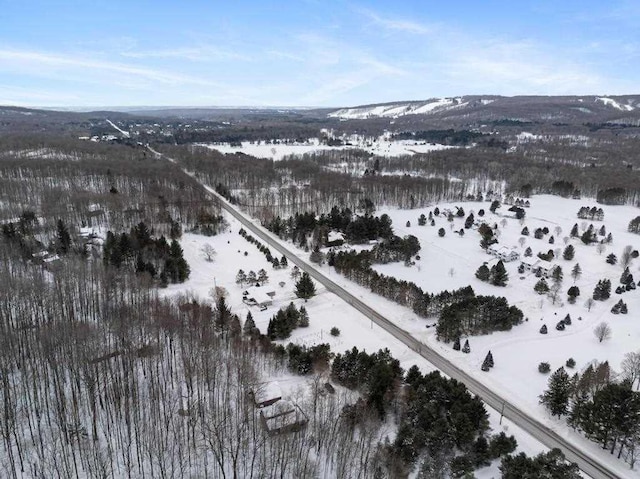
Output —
(588, 464)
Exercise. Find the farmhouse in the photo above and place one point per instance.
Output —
(530, 264)
(503, 253)
(260, 297)
(545, 268)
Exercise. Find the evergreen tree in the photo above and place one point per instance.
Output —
(541, 287)
(422, 220)
(557, 275)
(483, 273)
(574, 231)
(576, 272)
(525, 231)
(543, 329)
(569, 252)
(573, 293)
(602, 291)
(283, 262)
(456, 344)
(63, 238)
(252, 278)
(222, 314)
(241, 277)
(488, 362)
(466, 348)
(528, 252)
(249, 325)
(295, 273)
(612, 259)
(303, 321)
(305, 288)
(263, 278)
(499, 275)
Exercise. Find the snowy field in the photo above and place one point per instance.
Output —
(325, 310)
(447, 263)
(380, 147)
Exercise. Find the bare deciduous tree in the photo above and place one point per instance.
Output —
(602, 331)
(209, 252)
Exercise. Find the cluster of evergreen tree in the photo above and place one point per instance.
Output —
(477, 315)
(368, 227)
(261, 247)
(497, 275)
(552, 464)
(304, 360)
(396, 249)
(442, 420)
(606, 411)
(602, 290)
(443, 137)
(139, 250)
(592, 213)
(377, 376)
(634, 225)
(357, 229)
(286, 320)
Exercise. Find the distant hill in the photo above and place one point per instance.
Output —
(517, 109)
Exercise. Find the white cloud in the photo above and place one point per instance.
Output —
(397, 24)
(196, 54)
(41, 64)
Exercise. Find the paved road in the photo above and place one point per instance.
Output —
(544, 434)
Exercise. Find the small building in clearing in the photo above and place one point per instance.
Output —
(282, 417)
(260, 297)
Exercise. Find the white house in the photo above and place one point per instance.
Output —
(261, 297)
(503, 253)
(530, 264)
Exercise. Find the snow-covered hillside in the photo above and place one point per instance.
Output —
(395, 110)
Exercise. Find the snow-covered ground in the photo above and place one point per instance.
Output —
(449, 263)
(276, 152)
(325, 309)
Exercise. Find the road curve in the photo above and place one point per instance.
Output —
(587, 463)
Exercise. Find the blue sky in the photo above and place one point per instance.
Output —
(311, 52)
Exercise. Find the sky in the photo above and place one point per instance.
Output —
(311, 52)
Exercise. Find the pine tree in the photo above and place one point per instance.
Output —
(63, 238)
(556, 397)
(486, 363)
(543, 329)
(528, 252)
(263, 277)
(573, 293)
(483, 273)
(303, 322)
(466, 348)
(241, 277)
(602, 291)
(305, 288)
(576, 272)
(456, 344)
(499, 275)
(283, 262)
(574, 231)
(569, 252)
(541, 287)
(249, 325)
(612, 259)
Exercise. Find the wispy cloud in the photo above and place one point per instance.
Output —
(195, 54)
(395, 24)
(17, 61)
